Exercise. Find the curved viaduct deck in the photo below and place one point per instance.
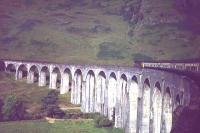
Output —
(139, 100)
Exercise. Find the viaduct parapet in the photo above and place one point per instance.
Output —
(139, 100)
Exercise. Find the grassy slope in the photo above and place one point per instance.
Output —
(92, 32)
(30, 93)
(42, 126)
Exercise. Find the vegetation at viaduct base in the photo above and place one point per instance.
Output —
(25, 108)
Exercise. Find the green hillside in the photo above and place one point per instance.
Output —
(96, 31)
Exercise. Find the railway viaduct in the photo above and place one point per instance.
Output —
(137, 99)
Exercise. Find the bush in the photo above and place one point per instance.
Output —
(50, 99)
(110, 50)
(50, 105)
(141, 57)
(102, 121)
(14, 108)
(54, 111)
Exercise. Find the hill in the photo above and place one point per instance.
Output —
(99, 31)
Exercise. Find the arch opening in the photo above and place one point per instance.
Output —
(101, 94)
(167, 111)
(156, 109)
(76, 91)
(56, 78)
(146, 106)
(33, 75)
(11, 68)
(66, 81)
(134, 102)
(122, 100)
(44, 76)
(2, 66)
(178, 101)
(89, 92)
(111, 95)
(22, 72)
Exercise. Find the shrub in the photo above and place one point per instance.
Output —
(110, 50)
(102, 121)
(14, 108)
(141, 57)
(50, 99)
(50, 105)
(54, 111)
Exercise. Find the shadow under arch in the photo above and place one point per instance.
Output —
(167, 111)
(111, 94)
(134, 106)
(44, 76)
(156, 109)
(22, 71)
(10, 68)
(145, 115)
(2, 66)
(76, 90)
(66, 81)
(89, 92)
(101, 90)
(34, 73)
(56, 78)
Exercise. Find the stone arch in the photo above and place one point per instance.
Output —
(56, 78)
(44, 78)
(100, 94)
(134, 102)
(122, 98)
(156, 109)
(89, 92)
(11, 68)
(66, 81)
(76, 91)
(2, 66)
(111, 95)
(33, 74)
(167, 111)
(22, 71)
(146, 106)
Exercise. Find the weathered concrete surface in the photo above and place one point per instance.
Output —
(139, 100)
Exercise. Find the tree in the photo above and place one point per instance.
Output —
(50, 105)
(14, 108)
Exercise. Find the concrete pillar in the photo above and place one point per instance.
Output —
(65, 84)
(30, 77)
(54, 81)
(100, 94)
(156, 112)
(16, 74)
(146, 110)
(78, 88)
(133, 107)
(91, 94)
(73, 93)
(112, 89)
(167, 114)
(83, 94)
(19, 74)
(87, 93)
(42, 79)
(105, 97)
